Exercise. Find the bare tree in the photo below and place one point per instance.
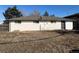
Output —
(35, 13)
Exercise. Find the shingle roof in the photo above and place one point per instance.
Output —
(73, 16)
(76, 15)
(40, 18)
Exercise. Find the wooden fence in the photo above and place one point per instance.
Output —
(4, 27)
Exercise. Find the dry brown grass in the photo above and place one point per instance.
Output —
(38, 42)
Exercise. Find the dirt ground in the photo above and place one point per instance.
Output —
(38, 42)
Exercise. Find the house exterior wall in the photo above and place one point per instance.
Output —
(50, 25)
(23, 26)
(32, 26)
(69, 25)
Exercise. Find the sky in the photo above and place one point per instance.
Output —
(57, 10)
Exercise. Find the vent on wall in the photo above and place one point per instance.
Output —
(18, 21)
(52, 21)
(36, 21)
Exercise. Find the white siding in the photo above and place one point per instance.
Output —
(31, 26)
(24, 26)
(69, 25)
(50, 26)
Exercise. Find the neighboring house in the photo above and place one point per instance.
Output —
(39, 23)
(76, 22)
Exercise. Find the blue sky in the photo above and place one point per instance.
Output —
(57, 10)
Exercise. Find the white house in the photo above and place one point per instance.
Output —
(39, 23)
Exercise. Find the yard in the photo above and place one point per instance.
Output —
(44, 41)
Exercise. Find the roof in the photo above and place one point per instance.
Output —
(40, 18)
(73, 16)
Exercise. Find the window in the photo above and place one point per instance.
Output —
(18, 21)
(36, 21)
